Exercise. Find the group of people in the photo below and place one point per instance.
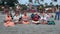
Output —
(27, 18)
(16, 17)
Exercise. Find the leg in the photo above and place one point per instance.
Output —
(55, 16)
(58, 16)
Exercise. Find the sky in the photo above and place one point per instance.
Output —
(45, 1)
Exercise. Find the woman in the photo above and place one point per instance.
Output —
(25, 19)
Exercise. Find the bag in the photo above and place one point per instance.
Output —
(51, 23)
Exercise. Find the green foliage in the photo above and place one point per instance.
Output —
(24, 7)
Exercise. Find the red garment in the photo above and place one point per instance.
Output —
(35, 18)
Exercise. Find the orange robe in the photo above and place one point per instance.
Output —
(9, 24)
(25, 21)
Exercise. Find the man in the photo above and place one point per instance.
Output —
(57, 13)
(35, 19)
(16, 18)
(25, 19)
(32, 15)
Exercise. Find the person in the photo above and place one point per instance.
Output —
(57, 14)
(16, 18)
(12, 13)
(25, 19)
(32, 10)
(44, 18)
(35, 19)
(20, 18)
(51, 20)
(5, 10)
(8, 17)
(32, 15)
(9, 23)
(18, 8)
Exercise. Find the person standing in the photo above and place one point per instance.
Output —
(57, 14)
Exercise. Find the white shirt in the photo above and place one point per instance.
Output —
(45, 17)
(16, 18)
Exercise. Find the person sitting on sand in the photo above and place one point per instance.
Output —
(44, 18)
(25, 19)
(35, 19)
(16, 18)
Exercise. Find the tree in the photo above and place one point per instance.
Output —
(30, 1)
(10, 3)
(51, 4)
